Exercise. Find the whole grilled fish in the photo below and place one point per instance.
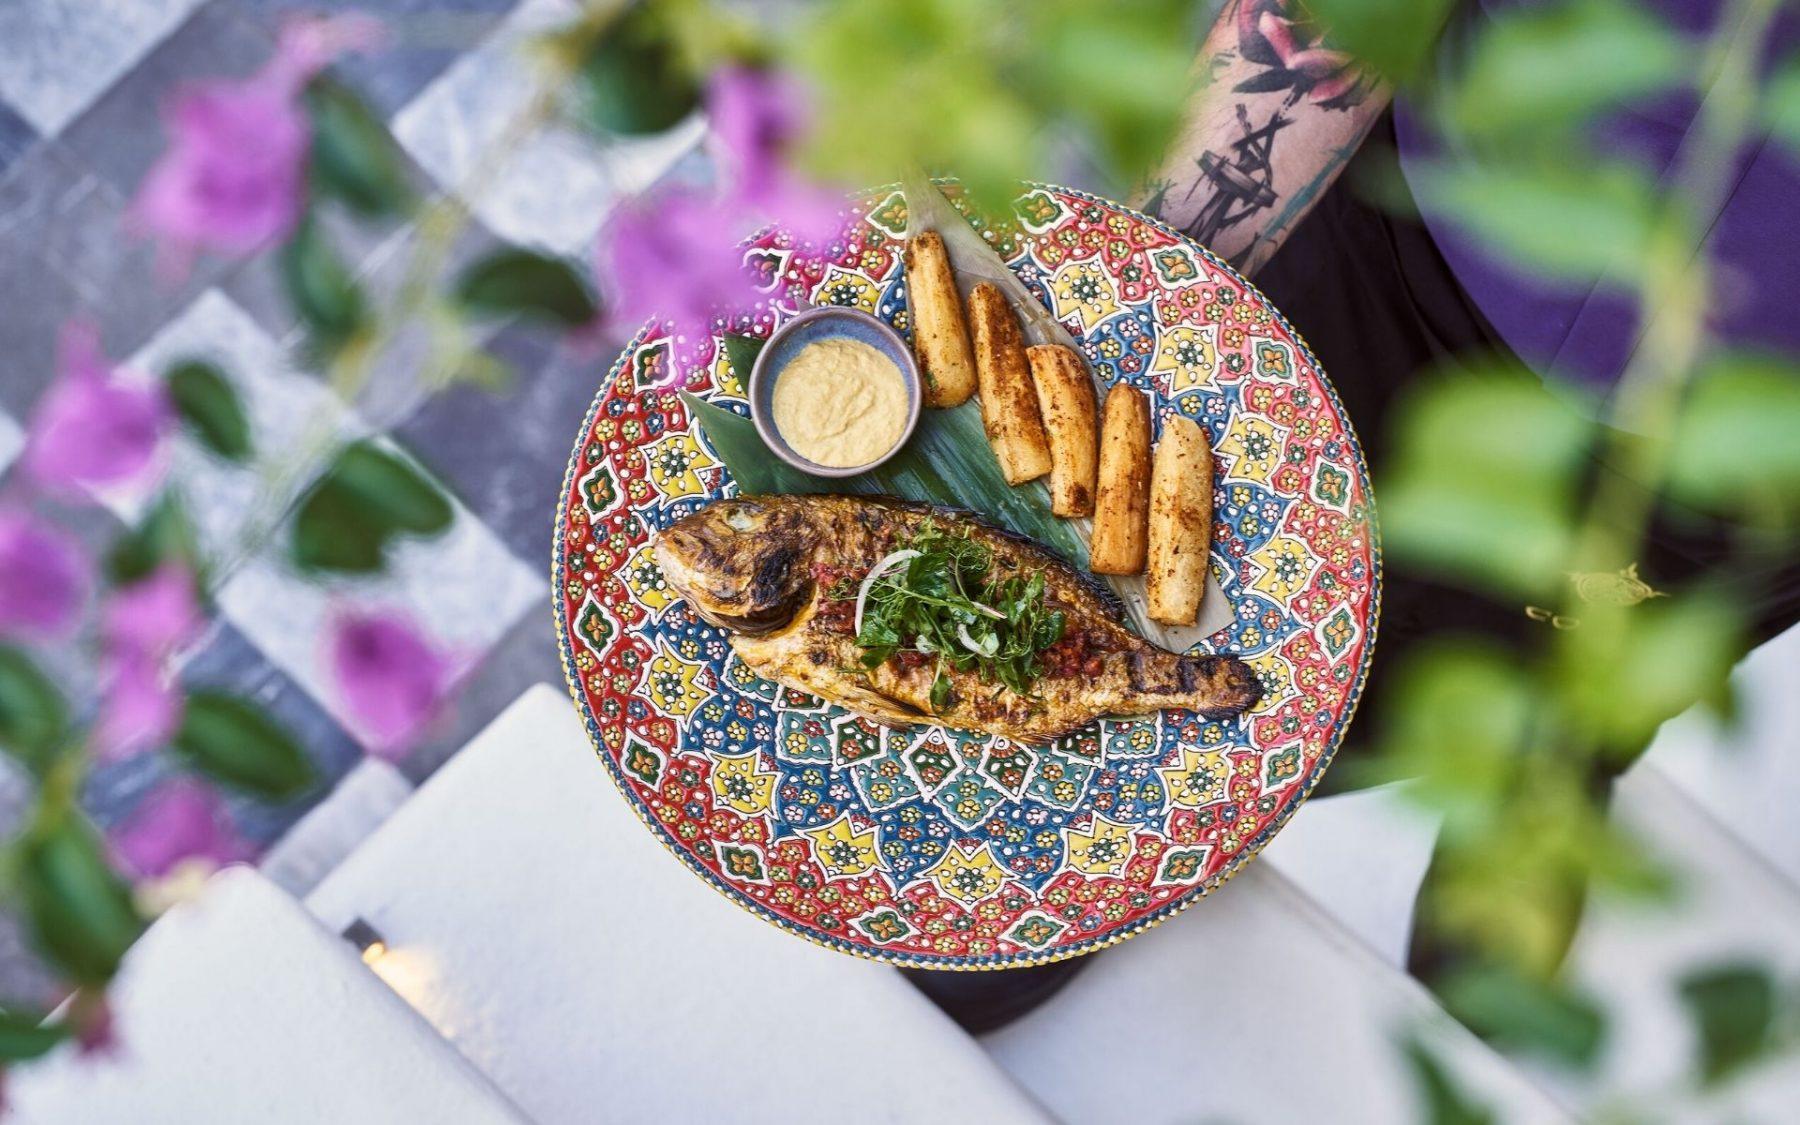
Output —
(771, 569)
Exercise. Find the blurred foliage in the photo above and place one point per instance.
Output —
(234, 742)
(163, 534)
(516, 280)
(203, 397)
(80, 911)
(1523, 1013)
(986, 89)
(1737, 1014)
(353, 159)
(368, 497)
(1443, 1101)
(324, 294)
(33, 717)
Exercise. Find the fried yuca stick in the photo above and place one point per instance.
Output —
(1122, 505)
(1065, 398)
(1181, 489)
(1009, 407)
(940, 339)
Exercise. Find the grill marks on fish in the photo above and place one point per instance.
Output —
(748, 565)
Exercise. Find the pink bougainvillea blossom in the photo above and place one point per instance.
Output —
(233, 177)
(140, 707)
(93, 427)
(153, 616)
(758, 116)
(675, 256)
(391, 679)
(45, 580)
(182, 820)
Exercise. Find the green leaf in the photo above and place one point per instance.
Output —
(1394, 38)
(1455, 729)
(741, 353)
(1736, 450)
(1548, 68)
(1442, 1100)
(1733, 1009)
(80, 911)
(365, 498)
(235, 743)
(1519, 1013)
(515, 280)
(207, 403)
(634, 81)
(164, 534)
(1781, 102)
(323, 293)
(26, 1035)
(353, 157)
(33, 716)
(1482, 482)
(1571, 219)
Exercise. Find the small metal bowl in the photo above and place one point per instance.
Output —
(828, 322)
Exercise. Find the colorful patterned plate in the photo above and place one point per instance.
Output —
(950, 851)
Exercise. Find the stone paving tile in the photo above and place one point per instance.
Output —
(507, 455)
(121, 134)
(525, 656)
(424, 38)
(16, 136)
(555, 188)
(41, 41)
(463, 589)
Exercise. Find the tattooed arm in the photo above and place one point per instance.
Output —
(1275, 119)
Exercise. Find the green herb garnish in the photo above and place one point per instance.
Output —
(940, 604)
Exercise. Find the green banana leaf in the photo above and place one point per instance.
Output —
(948, 461)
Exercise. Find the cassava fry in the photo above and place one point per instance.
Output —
(1065, 398)
(1009, 408)
(1122, 505)
(1181, 488)
(940, 339)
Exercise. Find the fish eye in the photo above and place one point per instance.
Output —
(741, 518)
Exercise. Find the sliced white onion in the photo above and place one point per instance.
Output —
(875, 572)
(988, 610)
(962, 634)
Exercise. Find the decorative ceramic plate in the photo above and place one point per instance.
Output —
(945, 850)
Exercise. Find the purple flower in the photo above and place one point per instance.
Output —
(140, 707)
(676, 256)
(46, 578)
(233, 177)
(93, 427)
(153, 616)
(391, 679)
(758, 116)
(182, 820)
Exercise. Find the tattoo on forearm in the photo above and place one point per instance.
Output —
(1232, 188)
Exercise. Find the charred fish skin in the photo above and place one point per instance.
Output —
(774, 571)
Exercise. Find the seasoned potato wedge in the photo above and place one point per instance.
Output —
(1122, 505)
(1181, 489)
(1009, 407)
(1065, 398)
(940, 338)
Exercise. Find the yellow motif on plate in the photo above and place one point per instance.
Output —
(842, 850)
(967, 877)
(1102, 849)
(674, 683)
(846, 290)
(675, 462)
(646, 582)
(1189, 356)
(1287, 565)
(1252, 448)
(737, 781)
(1198, 779)
(1084, 290)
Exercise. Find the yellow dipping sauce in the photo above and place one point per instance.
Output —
(840, 403)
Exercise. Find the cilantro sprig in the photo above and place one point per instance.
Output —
(941, 604)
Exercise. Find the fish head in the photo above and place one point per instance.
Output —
(743, 564)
